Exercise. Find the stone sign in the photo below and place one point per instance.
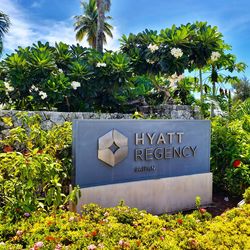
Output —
(118, 151)
(156, 165)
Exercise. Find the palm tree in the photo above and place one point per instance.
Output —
(102, 7)
(86, 24)
(4, 27)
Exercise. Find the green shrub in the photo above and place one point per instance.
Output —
(35, 167)
(230, 152)
(66, 78)
(246, 195)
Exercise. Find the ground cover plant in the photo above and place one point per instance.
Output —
(122, 227)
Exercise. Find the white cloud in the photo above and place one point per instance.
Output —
(113, 44)
(37, 4)
(59, 31)
(24, 32)
(21, 31)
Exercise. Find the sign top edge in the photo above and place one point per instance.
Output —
(138, 120)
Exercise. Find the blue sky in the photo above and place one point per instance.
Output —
(52, 20)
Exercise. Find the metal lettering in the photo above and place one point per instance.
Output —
(151, 138)
(148, 153)
(170, 137)
(158, 153)
(139, 154)
(183, 151)
(161, 139)
(193, 150)
(139, 140)
(177, 153)
(179, 134)
(167, 153)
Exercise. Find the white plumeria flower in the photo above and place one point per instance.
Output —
(75, 85)
(8, 87)
(173, 79)
(43, 95)
(215, 56)
(153, 91)
(176, 52)
(98, 65)
(150, 61)
(153, 47)
(60, 70)
(33, 87)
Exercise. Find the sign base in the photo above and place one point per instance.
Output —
(156, 196)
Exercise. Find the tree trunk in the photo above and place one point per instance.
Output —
(201, 92)
(229, 103)
(201, 86)
(100, 25)
(213, 97)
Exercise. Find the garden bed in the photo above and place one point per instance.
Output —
(122, 227)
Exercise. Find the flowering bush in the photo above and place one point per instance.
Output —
(73, 78)
(230, 153)
(66, 78)
(122, 227)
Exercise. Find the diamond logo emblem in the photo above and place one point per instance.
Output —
(112, 148)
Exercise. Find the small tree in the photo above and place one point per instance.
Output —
(242, 89)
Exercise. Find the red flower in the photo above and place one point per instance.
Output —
(202, 210)
(236, 163)
(94, 233)
(49, 223)
(50, 238)
(179, 221)
(7, 149)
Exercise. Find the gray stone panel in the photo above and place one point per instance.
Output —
(187, 154)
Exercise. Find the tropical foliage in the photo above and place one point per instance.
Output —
(192, 47)
(73, 78)
(147, 71)
(230, 150)
(35, 167)
(66, 78)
